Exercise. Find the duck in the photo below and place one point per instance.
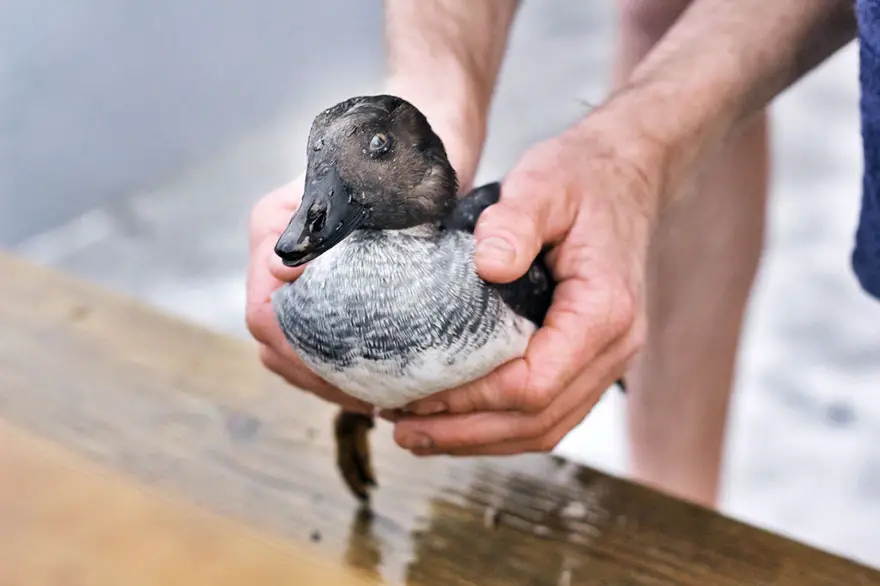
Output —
(389, 307)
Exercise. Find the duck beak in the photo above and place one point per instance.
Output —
(326, 215)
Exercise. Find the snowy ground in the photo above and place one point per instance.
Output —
(804, 444)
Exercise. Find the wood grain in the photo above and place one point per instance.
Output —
(65, 521)
(193, 413)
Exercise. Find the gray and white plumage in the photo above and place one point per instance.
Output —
(393, 316)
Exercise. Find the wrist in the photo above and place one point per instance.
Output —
(615, 137)
(661, 133)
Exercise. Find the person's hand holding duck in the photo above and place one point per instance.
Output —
(592, 194)
(266, 274)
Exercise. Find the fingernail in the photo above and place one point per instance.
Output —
(429, 408)
(417, 441)
(496, 249)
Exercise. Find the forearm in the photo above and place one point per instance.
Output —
(722, 63)
(444, 56)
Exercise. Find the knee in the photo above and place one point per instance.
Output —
(650, 18)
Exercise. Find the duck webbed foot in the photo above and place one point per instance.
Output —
(353, 452)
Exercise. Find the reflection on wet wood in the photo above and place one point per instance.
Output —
(194, 414)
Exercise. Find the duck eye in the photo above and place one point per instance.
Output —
(379, 142)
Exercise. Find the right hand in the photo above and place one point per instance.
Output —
(587, 196)
(266, 273)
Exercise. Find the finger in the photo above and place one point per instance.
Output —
(263, 255)
(295, 372)
(275, 351)
(298, 374)
(282, 273)
(530, 213)
(570, 411)
(259, 311)
(545, 443)
(508, 240)
(263, 324)
(583, 323)
(575, 332)
(261, 284)
(497, 391)
(478, 429)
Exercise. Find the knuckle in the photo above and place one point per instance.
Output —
(254, 318)
(547, 442)
(251, 320)
(551, 438)
(539, 425)
(622, 311)
(637, 338)
(537, 395)
(267, 356)
(474, 397)
(529, 428)
(544, 423)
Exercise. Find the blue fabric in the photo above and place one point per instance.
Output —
(866, 253)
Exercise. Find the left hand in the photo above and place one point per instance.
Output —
(593, 195)
(266, 273)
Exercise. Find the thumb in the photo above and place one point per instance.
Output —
(507, 242)
(511, 233)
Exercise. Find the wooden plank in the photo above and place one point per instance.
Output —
(192, 412)
(63, 520)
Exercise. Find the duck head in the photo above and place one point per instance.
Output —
(374, 163)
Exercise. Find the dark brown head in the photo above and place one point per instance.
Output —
(373, 163)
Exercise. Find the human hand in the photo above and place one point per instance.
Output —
(593, 195)
(266, 273)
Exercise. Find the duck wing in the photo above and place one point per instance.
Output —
(530, 295)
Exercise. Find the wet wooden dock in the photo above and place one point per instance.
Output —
(136, 449)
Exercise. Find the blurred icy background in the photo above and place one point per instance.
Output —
(135, 136)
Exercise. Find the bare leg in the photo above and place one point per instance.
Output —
(703, 261)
